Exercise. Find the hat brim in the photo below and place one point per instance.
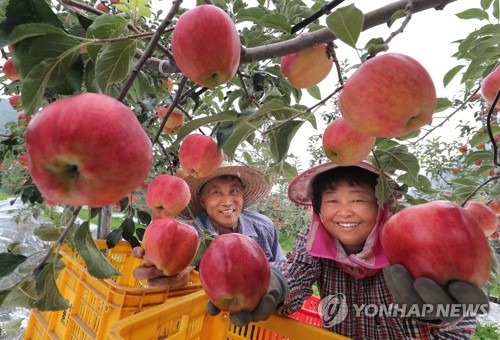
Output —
(300, 188)
(255, 187)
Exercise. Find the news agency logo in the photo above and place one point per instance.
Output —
(333, 310)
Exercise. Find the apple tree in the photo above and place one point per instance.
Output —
(126, 50)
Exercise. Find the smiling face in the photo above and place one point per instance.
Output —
(222, 198)
(349, 213)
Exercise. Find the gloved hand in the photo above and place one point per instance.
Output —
(274, 296)
(406, 291)
(155, 276)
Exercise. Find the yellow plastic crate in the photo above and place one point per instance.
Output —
(186, 318)
(96, 304)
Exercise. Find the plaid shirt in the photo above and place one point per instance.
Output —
(259, 227)
(302, 270)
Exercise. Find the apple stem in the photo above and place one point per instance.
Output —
(72, 171)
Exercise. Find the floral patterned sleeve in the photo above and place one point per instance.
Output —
(301, 271)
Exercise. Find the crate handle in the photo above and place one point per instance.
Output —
(181, 334)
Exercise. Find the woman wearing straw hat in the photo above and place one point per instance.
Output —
(219, 204)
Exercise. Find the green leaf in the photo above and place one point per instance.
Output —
(482, 136)
(395, 16)
(443, 104)
(143, 217)
(114, 63)
(194, 124)
(253, 14)
(485, 4)
(239, 134)
(206, 237)
(473, 13)
(49, 296)
(9, 262)
(114, 237)
(26, 31)
(48, 233)
(314, 92)
(346, 23)
(448, 77)
(97, 265)
(21, 295)
(276, 21)
(104, 27)
(398, 158)
(476, 155)
(280, 140)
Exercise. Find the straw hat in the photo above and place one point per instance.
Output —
(255, 187)
(300, 188)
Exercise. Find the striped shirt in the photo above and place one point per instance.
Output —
(259, 227)
(303, 270)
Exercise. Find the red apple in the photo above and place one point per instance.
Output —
(169, 245)
(102, 7)
(480, 146)
(174, 121)
(390, 95)
(234, 272)
(23, 160)
(308, 67)
(206, 46)
(14, 102)
(478, 161)
(495, 206)
(490, 87)
(167, 196)
(439, 240)
(455, 171)
(88, 149)
(10, 71)
(462, 148)
(484, 215)
(344, 145)
(199, 155)
(495, 236)
(492, 172)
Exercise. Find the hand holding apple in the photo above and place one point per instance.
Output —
(234, 273)
(169, 245)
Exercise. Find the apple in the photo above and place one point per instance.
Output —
(492, 172)
(495, 235)
(102, 7)
(23, 120)
(456, 170)
(167, 196)
(484, 215)
(480, 146)
(180, 172)
(87, 149)
(308, 67)
(206, 46)
(462, 148)
(495, 206)
(23, 160)
(344, 145)
(199, 155)
(14, 102)
(490, 87)
(478, 161)
(439, 240)
(174, 121)
(389, 95)
(10, 71)
(234, 272)
(167, 84)
(169, 245)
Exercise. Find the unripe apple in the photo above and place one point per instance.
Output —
(10, 71)
(439, 240)
(169, 245)
(174, 121)
(167, 196)
(234, 272)
(14, 102)
(308, 67)
(490, 87)
(199, 155)
(484, 215)
(206, 46)
(88, 149)
(390, 95)
(344, 145)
